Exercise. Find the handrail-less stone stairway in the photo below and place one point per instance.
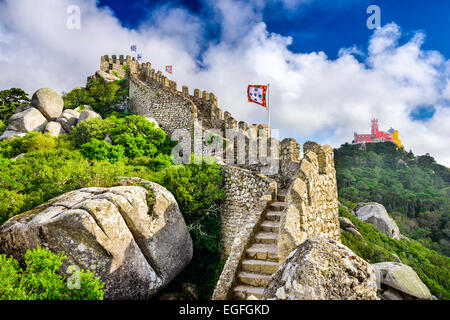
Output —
(261, 258)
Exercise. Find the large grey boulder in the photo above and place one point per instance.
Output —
(54, 129)
(134, 249)
(29, 120)
(322, 269)
(108, 77)
(347, 225)
(402, 278)
(48, 102)
(11, 134)
(68, 119)
(377, 215)
(88, 114)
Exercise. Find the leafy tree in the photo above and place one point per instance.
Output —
(40, 280)
(10, 100)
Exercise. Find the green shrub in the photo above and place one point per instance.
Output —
(44, 174)
(99, 94)
(3, 126)
(137, 136)
(94, 128)
(35, 141)
(102, 150)
(40, 280)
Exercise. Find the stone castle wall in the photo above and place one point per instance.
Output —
(170, 110)
(312, 200)
(243, 190)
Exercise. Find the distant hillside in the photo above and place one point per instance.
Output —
(432, 268)
(414, 189)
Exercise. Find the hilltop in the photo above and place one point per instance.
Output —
(414, 189)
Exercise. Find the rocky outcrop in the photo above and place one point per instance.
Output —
(397, 281)
(8, 134)
(322, 269)
(68, 119)
(54, 128)
(134, 249)
(347, 225)
(88, 114)
(48, 102)
(376, 214)
(48, 106)
(108, 77)
(29, 120)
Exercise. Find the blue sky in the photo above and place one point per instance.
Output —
(329, 74)
(324, 25)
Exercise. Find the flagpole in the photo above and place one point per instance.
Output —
(268, 109)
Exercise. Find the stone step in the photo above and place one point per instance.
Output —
(281, 195)
(273, 215)
(259, 266)
(277, 206)
(242, 292)
(270, 226)
(266, 237)
(254, 279)
(262, 251)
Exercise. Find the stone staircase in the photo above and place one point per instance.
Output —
(261, 257)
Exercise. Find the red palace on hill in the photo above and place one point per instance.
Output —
(378, 136)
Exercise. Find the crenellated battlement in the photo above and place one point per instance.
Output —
(177, 107)
(115, 65)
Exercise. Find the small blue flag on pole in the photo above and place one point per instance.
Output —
(133, 48)
(139, 56)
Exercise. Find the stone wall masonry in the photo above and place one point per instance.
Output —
(110, 64)
(170, 110)
(243, 190)
(312, 202)
(240, 244)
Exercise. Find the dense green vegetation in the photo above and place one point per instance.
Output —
(198, 190)
(52, 166)
(414, 190)
(98, 94)
(39, 280)
(98, 152)
(432, 268)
